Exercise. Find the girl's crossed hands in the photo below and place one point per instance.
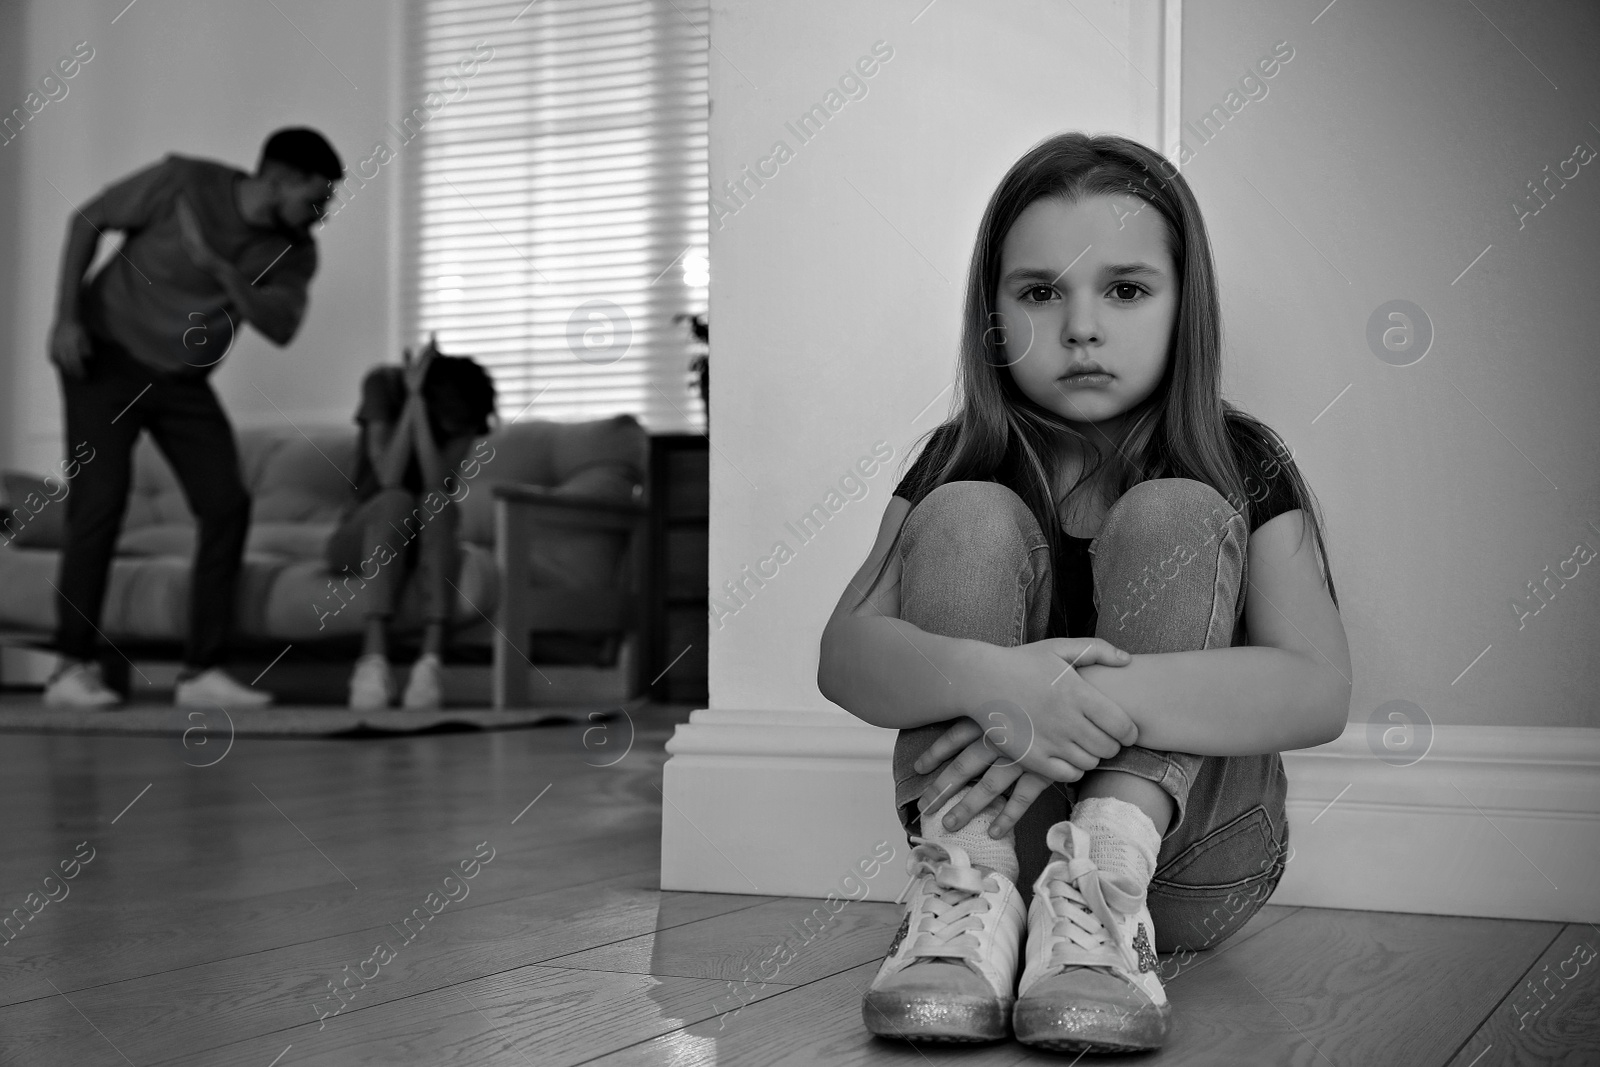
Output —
(1046, 724)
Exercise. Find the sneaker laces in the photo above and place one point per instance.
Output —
(950, 920)
(1087, 906)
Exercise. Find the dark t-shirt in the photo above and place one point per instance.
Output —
(1266, 485)
(152, 299)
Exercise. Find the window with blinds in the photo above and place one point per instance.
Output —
(557, 200)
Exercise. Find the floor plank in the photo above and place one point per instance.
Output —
(827, 1012)
(214, 1004)
(537, 1015)
(788, 940)
(1551, 1015)
(246, 875)
(212, 918)
(1343, 987)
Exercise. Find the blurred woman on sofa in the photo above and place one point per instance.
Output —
(417, 422)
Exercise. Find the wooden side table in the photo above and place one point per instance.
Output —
(680, 498)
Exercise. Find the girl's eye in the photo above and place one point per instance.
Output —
(1032, 295)
(1127, 292)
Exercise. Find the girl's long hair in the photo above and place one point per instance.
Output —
(1182, 430)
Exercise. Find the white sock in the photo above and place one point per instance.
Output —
(1123, 840)
(997, 854)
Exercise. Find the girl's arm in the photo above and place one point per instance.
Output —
(1289, 688)
(890, 673)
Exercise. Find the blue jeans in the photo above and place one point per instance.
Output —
(1170, 571)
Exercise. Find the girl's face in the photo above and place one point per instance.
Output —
(1087, 300)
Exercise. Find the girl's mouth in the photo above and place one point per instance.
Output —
(1094, 378)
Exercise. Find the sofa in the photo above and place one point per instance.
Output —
(552, 525)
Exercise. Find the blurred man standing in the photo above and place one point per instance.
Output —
(208, 248)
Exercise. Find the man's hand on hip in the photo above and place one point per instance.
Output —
(69, 347)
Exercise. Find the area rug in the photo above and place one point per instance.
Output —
(196, 726)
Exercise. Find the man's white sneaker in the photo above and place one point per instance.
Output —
(1090, 981)
(425, 687)
(79, 685)
(213, 688)
(951, 972)
(371, 684)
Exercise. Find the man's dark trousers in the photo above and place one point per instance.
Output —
(118, 397)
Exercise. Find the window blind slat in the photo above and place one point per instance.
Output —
(557, 217)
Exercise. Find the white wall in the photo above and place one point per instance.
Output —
(835, 299)
(1395, 143)
(212, 80)
(837, 287)
(1384, 158)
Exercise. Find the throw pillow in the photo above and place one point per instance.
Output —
(34, 513)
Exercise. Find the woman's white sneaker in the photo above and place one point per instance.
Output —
(1090, 982)
(951, 972)
(371, 683)
(77, 684)
(425, 686)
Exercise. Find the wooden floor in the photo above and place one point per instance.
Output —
(221, 902)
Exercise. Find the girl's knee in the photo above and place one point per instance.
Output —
(973, 515)
(1161, 507)
(1173, 496)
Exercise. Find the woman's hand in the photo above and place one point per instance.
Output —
(416, 369)
(1072, 727)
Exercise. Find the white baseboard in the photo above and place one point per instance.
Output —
(1494, 821)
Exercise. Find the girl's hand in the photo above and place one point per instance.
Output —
(1072, 727)
(1024, 786)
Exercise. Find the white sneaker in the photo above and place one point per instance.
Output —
(78, 684)
(425, 687)
(951, 972)
(214, 688)
(371, 684)
(1090, 981)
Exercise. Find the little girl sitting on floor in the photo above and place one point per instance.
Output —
(1096, 616)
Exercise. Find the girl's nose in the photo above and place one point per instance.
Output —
(1080, 329)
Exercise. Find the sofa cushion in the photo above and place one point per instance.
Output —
(295, 540)
(604, 458)
(299, 480)
(303, 478)
(33, 513)
(279, 597)
(293, 475)
(27, 602)
(304, 474)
